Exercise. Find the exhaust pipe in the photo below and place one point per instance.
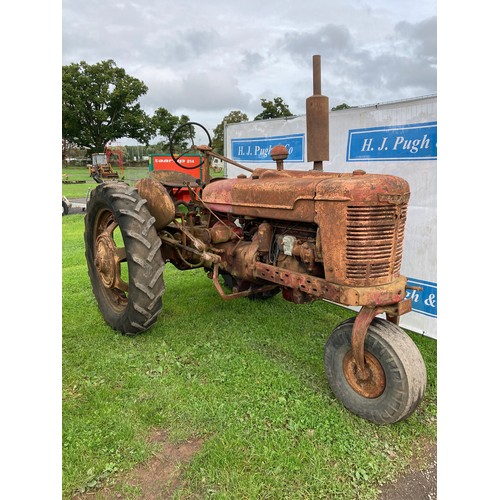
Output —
(317, 121)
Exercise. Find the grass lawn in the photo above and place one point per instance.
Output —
(244, 376)
(80, 190)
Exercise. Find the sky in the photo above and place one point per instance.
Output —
(207, 58)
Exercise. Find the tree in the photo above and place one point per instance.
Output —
(273, 109)
(164, 123)
(218, 139)
(70, 150)
(340, 106)
(99, 104)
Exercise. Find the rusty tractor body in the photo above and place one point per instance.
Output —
(307, 234)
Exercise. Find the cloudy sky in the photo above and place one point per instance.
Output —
(206, 58)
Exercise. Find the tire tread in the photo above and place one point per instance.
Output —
(142, 246)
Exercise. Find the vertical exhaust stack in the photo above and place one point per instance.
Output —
(317, 119)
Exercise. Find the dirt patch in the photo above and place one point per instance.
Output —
(420, 483)
(161, 476)
(158, 478)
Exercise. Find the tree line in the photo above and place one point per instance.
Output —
(100, 105)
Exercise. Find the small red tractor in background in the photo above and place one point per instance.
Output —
(308, 235)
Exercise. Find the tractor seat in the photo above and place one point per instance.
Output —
(171, 178)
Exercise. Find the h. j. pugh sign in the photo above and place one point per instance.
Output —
(258, 149)
(405, 142)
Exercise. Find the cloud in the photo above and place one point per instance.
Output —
(196, 91)
(208, 58)
(401, 65)
(419, 39)
(329, 40)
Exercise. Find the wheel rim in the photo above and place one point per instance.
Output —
(108, 259)
(371, 382)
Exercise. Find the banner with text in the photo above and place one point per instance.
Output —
(395, 143)
(258, 149)
(423, 295)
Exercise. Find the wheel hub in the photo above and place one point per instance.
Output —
(106, 260)
(369, 382)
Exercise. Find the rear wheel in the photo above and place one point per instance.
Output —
(395, 378)
(123, 255)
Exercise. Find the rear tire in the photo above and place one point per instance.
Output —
(397, 372)
(123, 255)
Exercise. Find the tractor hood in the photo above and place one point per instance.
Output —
(291, 194)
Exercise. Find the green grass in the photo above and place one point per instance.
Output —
(246, 376)
(80, 190)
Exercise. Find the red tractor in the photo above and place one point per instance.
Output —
(308, 235)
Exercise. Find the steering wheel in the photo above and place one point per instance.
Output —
(192, 149)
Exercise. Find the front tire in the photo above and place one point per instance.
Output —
(123, 255)
(397, 374)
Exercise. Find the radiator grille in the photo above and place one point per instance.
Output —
(374, 241)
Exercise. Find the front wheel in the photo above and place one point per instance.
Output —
(396, 379)
(123, 255)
